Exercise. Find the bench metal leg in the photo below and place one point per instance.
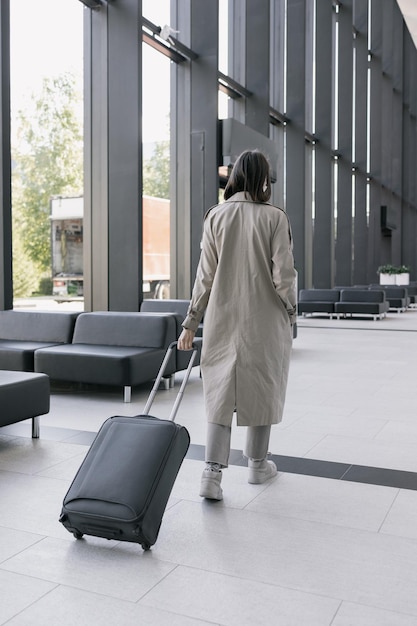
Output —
(35, 427)
(168, 381)
(127, 394)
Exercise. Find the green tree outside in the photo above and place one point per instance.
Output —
(47, 154)
(156, 172)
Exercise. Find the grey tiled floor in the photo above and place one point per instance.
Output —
(300, 550)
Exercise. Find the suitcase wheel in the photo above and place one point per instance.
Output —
(77, 534)
(146, 546)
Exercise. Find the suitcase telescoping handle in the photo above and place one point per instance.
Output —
(159, 377)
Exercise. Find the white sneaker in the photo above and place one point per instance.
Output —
(210, 485)
(261, 471)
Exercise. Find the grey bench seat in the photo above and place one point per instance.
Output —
(179, 309)
(366, 302)
(23, 395)
(396, 296)
(24, 332)
(320, 301)
(112, 348)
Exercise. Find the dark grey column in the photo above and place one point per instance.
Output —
(397, 127)
(309, 144)
(360, 245)
(249, 61)
(323, 241)
(375, 237)
(257, 65)
(295, 144)
(195, 92)
(6, 282)
(180, 171)
(113, 168)
(277, 79)
(344, 122)
(409, 212)
(387, 137)
(236, 54)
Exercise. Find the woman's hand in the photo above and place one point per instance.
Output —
(185, 340)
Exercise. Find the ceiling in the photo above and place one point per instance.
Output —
(409, 10)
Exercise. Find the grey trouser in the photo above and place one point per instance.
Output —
(218, 443)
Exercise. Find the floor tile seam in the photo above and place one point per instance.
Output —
(389, 510)
(252, 500)
(34, 602)
(268, 583)
(384, 423)
(377, 607)
(347, 470)
(74, 587)
(175, 566)
(24, 532)
(387, 330)
(28, 547)
(346, 529)
(20, 472)
(168, 612)
(92, 592)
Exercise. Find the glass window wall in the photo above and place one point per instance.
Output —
(47, 153)
(156, 161)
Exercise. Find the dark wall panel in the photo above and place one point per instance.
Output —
(360, 24)
(295, 149)
(344, 148)
(113, 168)
(323, 239)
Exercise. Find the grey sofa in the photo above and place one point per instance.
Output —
(178, 308)
(362, 302)
(112, 348)
(320, 301)
(397, 296)
(23, 332)
(23, 395)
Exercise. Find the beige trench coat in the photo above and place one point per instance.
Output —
(245, 287)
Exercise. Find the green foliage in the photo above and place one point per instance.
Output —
(48, 161)
(25, 272)
(156, 172)
(393, 269)
(387, 269)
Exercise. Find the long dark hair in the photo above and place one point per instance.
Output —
(251, 174)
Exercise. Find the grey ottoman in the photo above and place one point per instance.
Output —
(23, 395)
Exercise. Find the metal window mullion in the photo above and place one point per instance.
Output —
(295, 142)
(276, 79)
(360, 233)
(343, 251)
(375, 134)
(6, 279)
(323, 240)
(257, 65)
(397, 129)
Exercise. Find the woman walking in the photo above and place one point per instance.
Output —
(245, 287)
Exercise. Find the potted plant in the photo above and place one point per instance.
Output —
(403, 275)
(387, 274)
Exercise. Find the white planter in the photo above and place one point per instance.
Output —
(388, 279)
(402, 279)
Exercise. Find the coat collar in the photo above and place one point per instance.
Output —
(240, 196)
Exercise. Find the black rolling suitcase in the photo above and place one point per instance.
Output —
(122, 487)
